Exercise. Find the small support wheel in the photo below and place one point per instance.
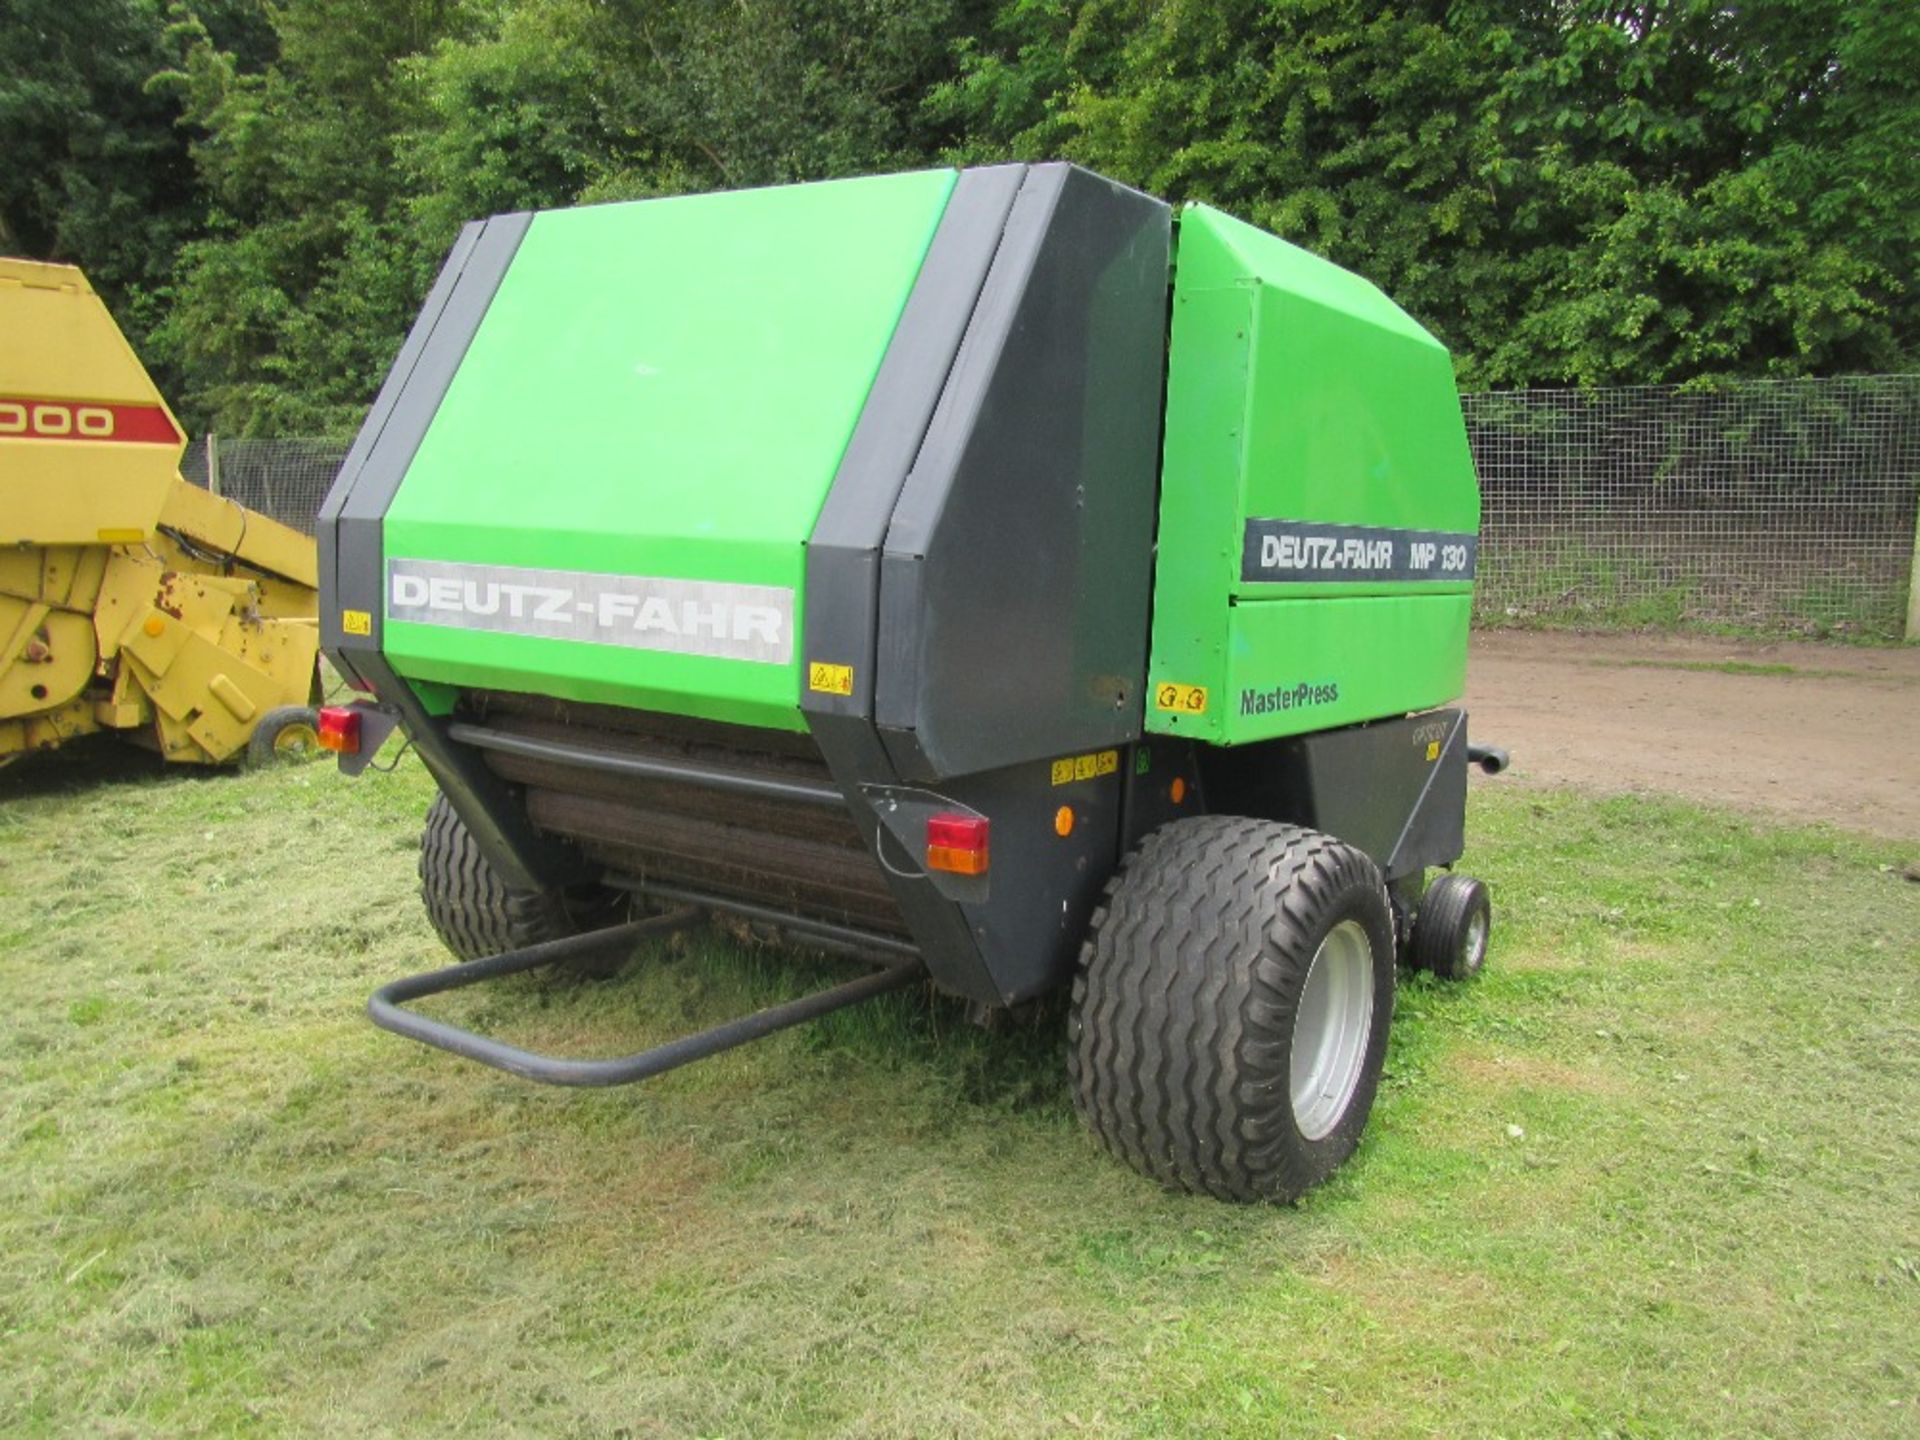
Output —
(287, 732)
(1450, 931)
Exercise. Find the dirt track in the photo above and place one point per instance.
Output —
(1832, 737)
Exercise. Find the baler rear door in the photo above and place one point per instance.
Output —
(612, 497)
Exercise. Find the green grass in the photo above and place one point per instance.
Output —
(1657, 1174)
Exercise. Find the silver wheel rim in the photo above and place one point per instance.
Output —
(1476, 947)
(1330, 1029)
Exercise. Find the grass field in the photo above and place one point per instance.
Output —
(1657, 1174)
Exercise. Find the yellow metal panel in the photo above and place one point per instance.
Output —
(238, 704)
(61, 341)
(122, 714)
(89, 566)
(88, 449)
(47, 729)
(20, 572)
(76, 494)
(232, 529)
(106, 619)
(156, 641)
(127, 588)
(49, 659)
(183, 696)
(285, 650)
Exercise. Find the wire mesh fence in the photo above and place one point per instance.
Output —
(1783, 507)
(1775, 506)
(283, 479)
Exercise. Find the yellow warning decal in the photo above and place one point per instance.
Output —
(1085, 767)
(356, 622)
(1433, 750)
(830, 679)
(1181, 699)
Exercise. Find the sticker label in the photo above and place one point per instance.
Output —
(830, 679)
(1085, 767)
(1278, 698)
(1283, 550)
(1181, 699)
(356, 622)
(684, 617)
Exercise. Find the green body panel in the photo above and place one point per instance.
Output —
(1297, 392)
(660, 389)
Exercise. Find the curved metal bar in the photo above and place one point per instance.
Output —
(845, 937)
(385, 1009)
(707, 777)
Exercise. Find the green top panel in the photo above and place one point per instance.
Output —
(660, 390)
(1309, 415)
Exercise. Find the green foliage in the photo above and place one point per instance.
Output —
(1567, 192)
(92, 168)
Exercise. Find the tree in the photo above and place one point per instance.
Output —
(1565, 191)
(287, 312)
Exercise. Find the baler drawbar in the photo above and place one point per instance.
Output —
(950, 570)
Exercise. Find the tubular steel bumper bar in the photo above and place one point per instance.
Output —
(821, 933)
(708, 777)
(384, 1008)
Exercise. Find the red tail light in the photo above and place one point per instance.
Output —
(957, 843)
(340, 729)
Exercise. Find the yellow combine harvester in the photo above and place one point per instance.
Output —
(131, 600)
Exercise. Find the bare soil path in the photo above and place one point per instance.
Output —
(1803, 731)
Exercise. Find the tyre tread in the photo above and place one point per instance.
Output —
(1181, 1003)
(474, 912)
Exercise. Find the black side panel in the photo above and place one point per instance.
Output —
(349, 526)
(938, 925)
(843, 553)
(493, 810)
(352, 549)
(1014, 586)
(1397, 789)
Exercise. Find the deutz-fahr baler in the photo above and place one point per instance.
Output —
(990, 574)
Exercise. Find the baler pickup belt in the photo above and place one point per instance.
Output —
(385, 1009)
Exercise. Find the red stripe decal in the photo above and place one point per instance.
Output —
(67, 420)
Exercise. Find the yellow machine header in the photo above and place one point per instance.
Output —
(129, 599)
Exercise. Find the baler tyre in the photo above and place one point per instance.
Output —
(476, 913)
(1450, 929)
(285, 732)
(1230, 1015)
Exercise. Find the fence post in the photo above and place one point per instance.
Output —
(1913, 582)
(213, 463)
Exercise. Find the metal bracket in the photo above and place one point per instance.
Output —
(384, 1008)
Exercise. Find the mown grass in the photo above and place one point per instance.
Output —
(1657, 1174)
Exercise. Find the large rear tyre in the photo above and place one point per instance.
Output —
(475, 912)
(1230, 1015)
